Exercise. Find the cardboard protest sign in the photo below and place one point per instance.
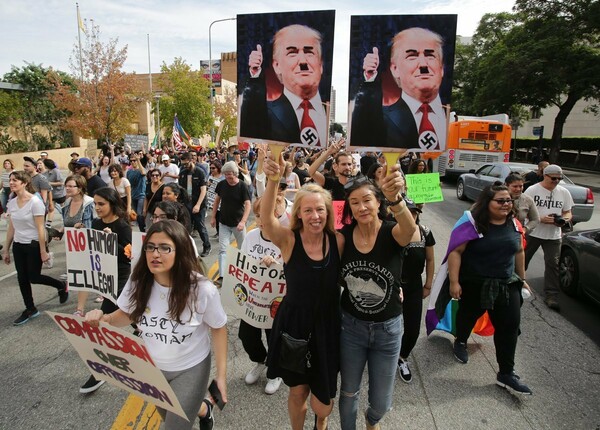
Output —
(284, 63)
(119, 358)
(424, 188)
(252, 291)
(400, 81)
(92, 261)
(137, 240)
(338, 213)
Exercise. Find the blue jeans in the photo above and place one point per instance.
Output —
(225, 233)
(138, 206)
(199, 225)
(378, 346)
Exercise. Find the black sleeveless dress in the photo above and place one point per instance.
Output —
(312, 286)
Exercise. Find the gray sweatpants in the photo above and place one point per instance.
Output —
(190, 387)
(551, 248)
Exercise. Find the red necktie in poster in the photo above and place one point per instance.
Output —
(427, 137)
(308, 131)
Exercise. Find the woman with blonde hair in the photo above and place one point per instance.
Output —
(309, 313)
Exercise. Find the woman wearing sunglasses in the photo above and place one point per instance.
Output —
(168, 285)
(487, 274)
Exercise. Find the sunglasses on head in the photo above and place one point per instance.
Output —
(356, 181)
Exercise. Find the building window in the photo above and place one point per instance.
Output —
(535, 113)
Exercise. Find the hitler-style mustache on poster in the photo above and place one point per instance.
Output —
(251, 290)
(119, 358)
(92, 261)
(400, 81)
(284, 77)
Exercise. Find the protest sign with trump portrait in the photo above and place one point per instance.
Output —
(400, 81)
(284, 77)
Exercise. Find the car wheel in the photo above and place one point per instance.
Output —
(460, 190)
(569, 272)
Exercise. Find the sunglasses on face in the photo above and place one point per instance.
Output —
(554, 178)
(503, 201)
(155, 176)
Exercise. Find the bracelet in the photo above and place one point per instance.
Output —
(398, 212)
(394, 203)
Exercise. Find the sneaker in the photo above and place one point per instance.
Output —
(207, 422)
(272, 385)
(79, 313)
(205, 252)
(552, 303)
(26, 316)
(91, 385)
(255, 373)
(404, 371)
(460, 351)
(511, 381)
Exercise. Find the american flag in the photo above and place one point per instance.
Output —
(180, 137)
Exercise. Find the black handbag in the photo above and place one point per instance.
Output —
(294, 354)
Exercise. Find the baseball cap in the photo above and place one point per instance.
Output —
(165, 157)
(553, 169)
(85, 162)
(30, 159)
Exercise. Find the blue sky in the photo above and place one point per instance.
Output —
(45, 31)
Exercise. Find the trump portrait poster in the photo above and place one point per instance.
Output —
(400, 81)
(284, 77)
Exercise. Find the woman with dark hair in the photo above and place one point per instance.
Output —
(26, 230)
(154, 192)
(487, 274)
(524, 206)
(418, 166)
(166, 284)
(102, 169)
(111, 219)
(121, 185)
(376, 173)
(371, 300)
(172, 192)
(310, 250)
(418, 256)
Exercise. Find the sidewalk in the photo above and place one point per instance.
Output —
(585, 178)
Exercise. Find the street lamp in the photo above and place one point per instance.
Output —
(210, 66)
(157, 98)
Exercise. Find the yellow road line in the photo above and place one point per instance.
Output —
(136, 414)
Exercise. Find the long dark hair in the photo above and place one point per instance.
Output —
(480, 210)
(414, 166)
(176, 211)
(114, 200)
(183, 277)
(180, 193)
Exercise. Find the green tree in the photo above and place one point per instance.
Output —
(187, 94)
(33, 106)
(103, 105)
(226, 114)
(546, 53)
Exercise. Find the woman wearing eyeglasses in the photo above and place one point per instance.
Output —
(153, 194)
(371, 301)
(111, 219)
(487, 274)
(167, 285)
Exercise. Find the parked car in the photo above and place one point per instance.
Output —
(469, 185)
(579, 262)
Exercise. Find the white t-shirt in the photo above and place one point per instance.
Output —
(105, 175)
(549, 202)
(255, 245)
(175, 346)
(121, 187)
(23, 218)
(171, 169)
